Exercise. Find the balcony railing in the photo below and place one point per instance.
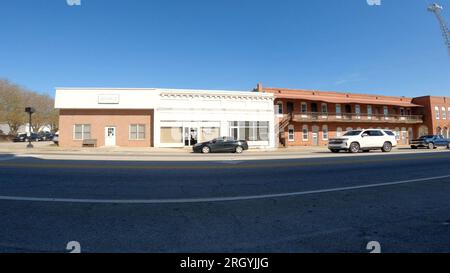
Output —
(356, 117)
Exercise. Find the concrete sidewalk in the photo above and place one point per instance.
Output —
(49, 147)
(49, 151)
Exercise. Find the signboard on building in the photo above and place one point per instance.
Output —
(108, 99)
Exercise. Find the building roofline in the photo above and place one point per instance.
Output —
(341, 93)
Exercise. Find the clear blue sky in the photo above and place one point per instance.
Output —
(343, 45)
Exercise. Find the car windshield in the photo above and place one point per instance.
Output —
(352, 133)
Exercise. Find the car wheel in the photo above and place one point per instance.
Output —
(431, 146)
(334, 151)
(387, 147)
(448, 146)
(206, 150)
(354, 147)
(239, 150)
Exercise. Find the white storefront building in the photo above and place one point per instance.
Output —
(163, 117)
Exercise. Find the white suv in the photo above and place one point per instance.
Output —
(364, 140)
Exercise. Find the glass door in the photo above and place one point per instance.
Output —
(190, 136)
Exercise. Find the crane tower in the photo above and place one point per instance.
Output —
(437, 10)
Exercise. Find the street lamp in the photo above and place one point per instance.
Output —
(30, 111)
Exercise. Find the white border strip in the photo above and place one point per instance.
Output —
(216, 199)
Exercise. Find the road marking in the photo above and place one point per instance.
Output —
(347, 160)
(217, 199)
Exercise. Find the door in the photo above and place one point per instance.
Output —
(290, 107)
(315, 135)
(404, 136)
(369, 139)
(110, 136)
(190, 136)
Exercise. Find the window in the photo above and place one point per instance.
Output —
(291, 133)
(352, 133)
(324, 108)
(385, 111)
(358, 111)
(209, 133)
(338, 132)
(397, 133)
(444, 113)
(325, 132)
(349, 129)
(137, 131)
(305, 133)
(338, 110)
(250, 130)
(171, 135)
(436, 112)
(82, 131)
(304, 107)
(389, 133)
(280, 108)
(369, 110)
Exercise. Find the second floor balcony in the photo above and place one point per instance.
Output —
(356, 117)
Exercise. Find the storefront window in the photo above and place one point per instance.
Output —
(171, 135)
(209, 133)
(250, 130)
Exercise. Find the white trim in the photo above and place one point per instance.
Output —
(137, 132)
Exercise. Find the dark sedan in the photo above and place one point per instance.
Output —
(220, 145)
(25, 137)
(430, 142)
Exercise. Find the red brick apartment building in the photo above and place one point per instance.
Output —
(310, 117)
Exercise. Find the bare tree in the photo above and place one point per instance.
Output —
(14, 99)
(11, 105)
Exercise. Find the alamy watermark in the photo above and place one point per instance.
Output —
(73, 2)
(374, 2)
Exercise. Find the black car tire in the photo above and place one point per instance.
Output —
(239, 149)
(448, 146)
(206, 150)
(354, 147)
(431, 146)
(387, 147)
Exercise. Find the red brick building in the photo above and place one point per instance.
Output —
(310, 117)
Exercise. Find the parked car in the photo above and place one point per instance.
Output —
(23, 137)
(45, 136)
(363, 140)
(56, 138)
(221, 144)
(430, 142)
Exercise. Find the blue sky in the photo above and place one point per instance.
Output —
(342, 45)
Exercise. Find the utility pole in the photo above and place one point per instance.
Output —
(437, 10)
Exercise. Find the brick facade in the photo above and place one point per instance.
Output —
(99, 119)
(318, 114)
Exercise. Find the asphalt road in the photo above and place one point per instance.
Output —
(296, 205)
